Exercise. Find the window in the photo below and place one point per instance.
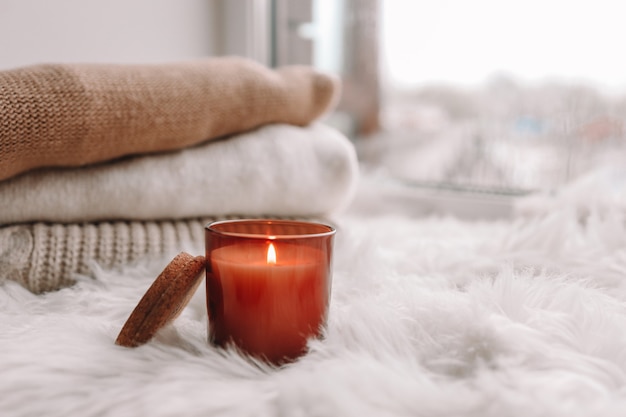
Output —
(504, 97)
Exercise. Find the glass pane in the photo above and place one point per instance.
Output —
(487, 95)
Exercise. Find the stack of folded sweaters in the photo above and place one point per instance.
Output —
(103, 165)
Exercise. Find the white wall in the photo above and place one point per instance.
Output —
(34, 31)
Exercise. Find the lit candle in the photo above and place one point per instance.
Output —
(267, 295)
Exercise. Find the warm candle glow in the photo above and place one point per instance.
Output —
(271, 254)
(267, 307)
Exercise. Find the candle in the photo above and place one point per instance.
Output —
(268, 292)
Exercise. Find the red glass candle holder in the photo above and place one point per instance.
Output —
(268, 285)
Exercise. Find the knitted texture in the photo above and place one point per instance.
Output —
(278, 169)
(46, 257)
(78, 114)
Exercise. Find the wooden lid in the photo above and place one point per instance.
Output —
(168, 295)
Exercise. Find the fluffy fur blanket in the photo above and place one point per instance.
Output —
(430, 316)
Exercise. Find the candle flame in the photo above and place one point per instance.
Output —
(271, 254)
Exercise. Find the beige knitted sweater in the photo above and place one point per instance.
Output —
(79, 114)
(45, 257)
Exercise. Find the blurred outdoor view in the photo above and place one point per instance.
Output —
(506, 97)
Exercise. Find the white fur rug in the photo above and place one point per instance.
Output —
(430, 316)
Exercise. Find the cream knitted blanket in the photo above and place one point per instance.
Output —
(281, 170)
(45, 257)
